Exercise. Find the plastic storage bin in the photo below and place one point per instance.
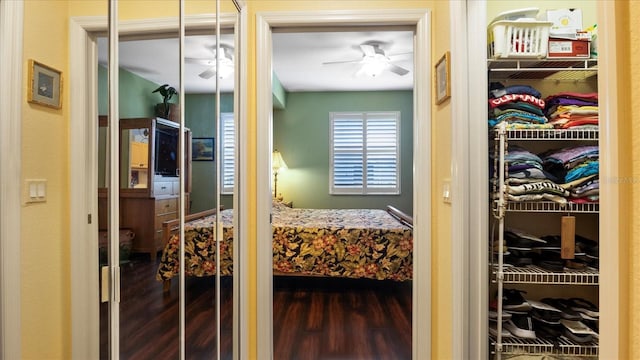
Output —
(518, 39)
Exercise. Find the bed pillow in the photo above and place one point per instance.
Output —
(279, 205)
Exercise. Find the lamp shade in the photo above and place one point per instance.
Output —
(277, 163)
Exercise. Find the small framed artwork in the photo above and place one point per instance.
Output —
(202, 149)
(443, 79)
(45, 85)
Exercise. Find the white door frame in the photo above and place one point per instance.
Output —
(83, 82)
(468, 119)
(465, 268)
(421, 19)
(11, 30)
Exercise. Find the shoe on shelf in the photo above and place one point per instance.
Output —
(493, 330)
(554, 242)
(520, 257)
(548, 332)
(550, 260)
(551, 265)
(545, 313)
(577, 327)
(493, 315)
(513, 300)
(578, 331)
(563, 305)
(520, 326)
(584, 306)
(520, 240)
(590, 247)
(578, 338)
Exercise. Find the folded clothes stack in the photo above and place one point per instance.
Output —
(520, 106)
(571, 110)
(549, 318)
(564, 175)
(528, 180)
(577, 171)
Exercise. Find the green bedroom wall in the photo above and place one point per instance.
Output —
(198, 110)
(301, 134)
(136, 94)
(279, 93)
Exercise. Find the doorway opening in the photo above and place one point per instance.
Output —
(345, 109)
(268, 25)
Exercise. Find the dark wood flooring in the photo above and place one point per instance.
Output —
(325, 318)
(314, 318)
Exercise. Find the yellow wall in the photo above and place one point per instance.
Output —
(441, 212)
(45, 288)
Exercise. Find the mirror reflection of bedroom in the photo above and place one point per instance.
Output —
(149, 193)
(342, 193)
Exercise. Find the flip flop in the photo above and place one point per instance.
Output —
(584, 306)
(563, 305)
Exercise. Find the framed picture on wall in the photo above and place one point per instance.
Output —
(443, 87)
(202, 149)
(45, 85)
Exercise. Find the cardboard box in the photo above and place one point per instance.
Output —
(565, 21)
(568, 49)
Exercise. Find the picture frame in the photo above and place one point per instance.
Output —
(203, 149)
(45, 85)
(443, 78)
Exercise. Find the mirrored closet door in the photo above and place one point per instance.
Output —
(166, 179)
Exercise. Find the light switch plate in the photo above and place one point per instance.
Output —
(446, 191)
(35, 190)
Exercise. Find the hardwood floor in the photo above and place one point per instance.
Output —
(324, 318)
(314, 318)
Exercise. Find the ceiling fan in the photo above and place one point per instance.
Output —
(225, 60)
(374, 61)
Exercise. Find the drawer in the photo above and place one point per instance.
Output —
(162, 218)
(163, 188)
(164, 206)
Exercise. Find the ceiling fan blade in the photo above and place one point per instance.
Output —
(341, 62)
(400, 54)
(398, 70)
(208, 74)
(208, 62)
(368, 50)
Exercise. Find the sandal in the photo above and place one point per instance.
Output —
(563, 305)
(584, 306)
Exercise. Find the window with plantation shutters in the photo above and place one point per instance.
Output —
(227, 165)
(365, 153)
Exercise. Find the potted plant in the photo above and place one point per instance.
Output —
(167, 93)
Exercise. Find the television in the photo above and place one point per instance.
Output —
(166, 150)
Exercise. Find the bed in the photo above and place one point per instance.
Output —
(352, 243)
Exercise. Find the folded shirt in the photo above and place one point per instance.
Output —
(514, 89)
(541, 187)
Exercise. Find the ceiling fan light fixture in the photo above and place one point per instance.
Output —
(373, 66)
(226, 68)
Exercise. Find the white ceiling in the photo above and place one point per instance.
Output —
(297, 60)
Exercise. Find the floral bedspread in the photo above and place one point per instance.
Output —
(199, 248)
(354, 243)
